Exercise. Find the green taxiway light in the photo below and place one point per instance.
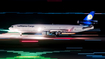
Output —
(29, 57)
(33, 55)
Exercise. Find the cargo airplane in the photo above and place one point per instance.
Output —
(55, 29)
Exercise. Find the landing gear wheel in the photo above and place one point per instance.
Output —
(58, 33)
(20, 34)
(45, 33)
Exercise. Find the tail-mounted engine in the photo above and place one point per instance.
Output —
(88, 22)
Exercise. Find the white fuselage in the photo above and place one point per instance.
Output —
(38, 28)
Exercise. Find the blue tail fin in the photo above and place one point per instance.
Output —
(90, 16)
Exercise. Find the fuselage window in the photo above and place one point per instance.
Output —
(25, 26)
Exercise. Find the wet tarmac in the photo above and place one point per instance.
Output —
(61, 47)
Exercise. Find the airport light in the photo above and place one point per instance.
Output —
(68, 33)
(29, 41)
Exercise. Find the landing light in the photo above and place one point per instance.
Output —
(39, 29)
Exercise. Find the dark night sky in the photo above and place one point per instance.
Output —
(10, 19)
(7, 20)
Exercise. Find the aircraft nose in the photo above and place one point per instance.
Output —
(10, 27)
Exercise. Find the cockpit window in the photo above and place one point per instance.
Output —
(12, 26)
